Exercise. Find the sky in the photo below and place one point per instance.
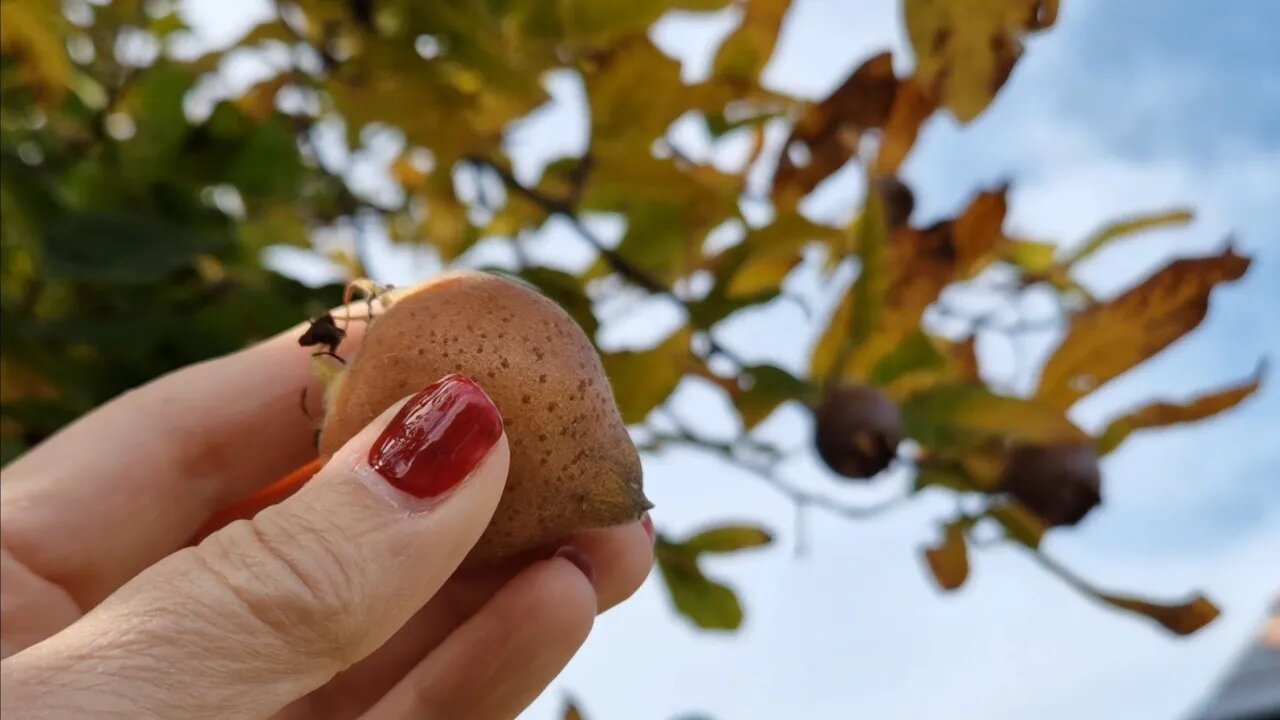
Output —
(1125, 106)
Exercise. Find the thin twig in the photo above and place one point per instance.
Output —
(621, 265)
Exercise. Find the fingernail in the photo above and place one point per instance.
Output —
(580, 559)
(438, 438)
(647, 523)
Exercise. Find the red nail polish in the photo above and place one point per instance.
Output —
(579, 559)
(647, 523)
(438, 438)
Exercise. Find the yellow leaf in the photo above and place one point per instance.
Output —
(859, 313)
(1019, 523)
(828, 133)
(772, 251)
(745, 53)
(1129, 226)
(1108, 339)
(969, 48)
(643, 380)
(1162, 414)
(29, 36)
(728, 538)
(571, 711)
(949, 560)
(1032, 257)
(912, 105)
(1181, 619)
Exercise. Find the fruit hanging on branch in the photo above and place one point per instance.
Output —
(857, 430)
(1059, 483)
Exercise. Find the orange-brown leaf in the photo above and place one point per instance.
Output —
(1108, 339)
(1162, 414)
(830, 131)
(949, 560)
(978, 231)
(1181, 619)
(913, 104)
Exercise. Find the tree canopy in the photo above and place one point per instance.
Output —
(141, 189)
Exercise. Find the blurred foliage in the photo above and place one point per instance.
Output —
(142, 184)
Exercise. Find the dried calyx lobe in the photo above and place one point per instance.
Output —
(858, 429)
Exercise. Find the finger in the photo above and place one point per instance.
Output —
(132, 481)
(497, 662)
(622, 557)
(268, 609)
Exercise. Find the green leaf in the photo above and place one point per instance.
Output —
(728, 538)
(745, 52)
(643, 380)
(118, 248)
(708, 604)
(1109, 339)
(964, 415)
(949, 559)
(771, 386)
(1129, 226)
(1163, 414)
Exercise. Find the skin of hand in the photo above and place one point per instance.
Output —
(341, 601)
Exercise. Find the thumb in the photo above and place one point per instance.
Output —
(266, 610)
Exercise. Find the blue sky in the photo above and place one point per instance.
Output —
(1125, 106)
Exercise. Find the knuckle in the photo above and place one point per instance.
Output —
(294, 584)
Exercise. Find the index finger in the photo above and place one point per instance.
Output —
(131, 481)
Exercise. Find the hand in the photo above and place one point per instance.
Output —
(340, 601)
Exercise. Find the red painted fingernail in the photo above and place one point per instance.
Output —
(580, 559)
(438, 438)
(647, 523)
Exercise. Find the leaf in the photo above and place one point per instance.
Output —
(728, 538)
(912, 105)
(858, 315)
(978, 231)
(1129, 226)
(29, 35)
(949, 560)
(1109, 339)
(1163, 414)
(771, 386)
(964, 415)
(1019, 523)
(773, 250)
(967, 49)
(117, 248)
(1031, 256)
(709, 604)
(643, 380)
(1181, 619)
(829, 132)
(745, 53)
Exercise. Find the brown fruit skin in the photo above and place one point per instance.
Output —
(573, 465)
(857, 430)
(1059, 483)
